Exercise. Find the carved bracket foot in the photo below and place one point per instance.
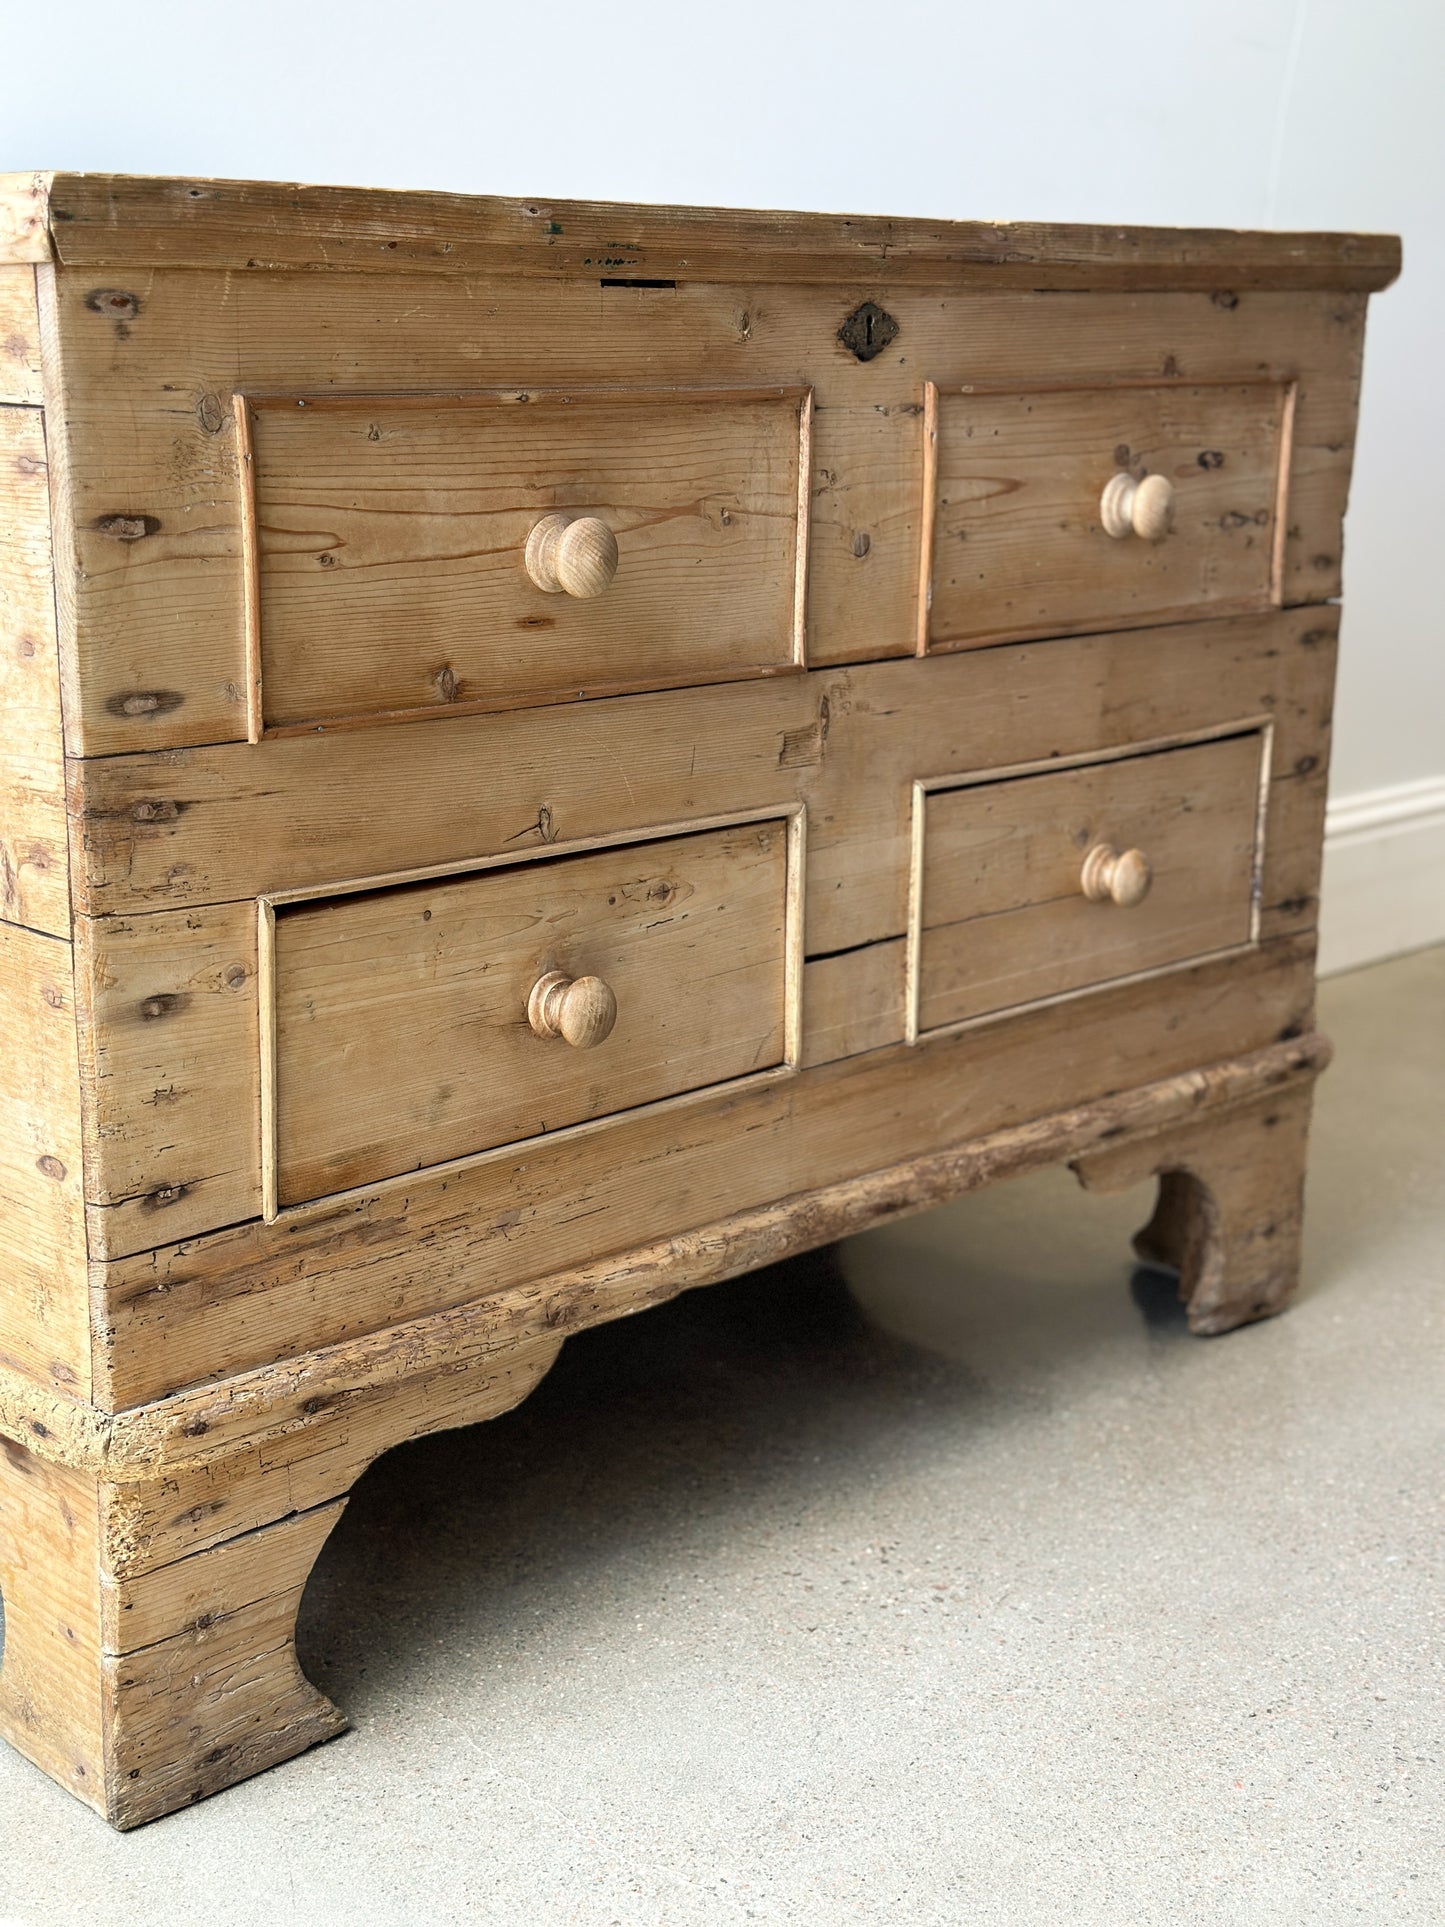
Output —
(1228, 1216)
(150, 1619)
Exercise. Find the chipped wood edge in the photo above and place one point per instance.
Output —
(250, 567)
(1261, 818)
(802, 530)
(341, 403)
(124, 220)
(927, 517)
(794, 950)
(212, 1421)
(1266, 377)
(1283, 476)
(266, 1019)
(913, 935)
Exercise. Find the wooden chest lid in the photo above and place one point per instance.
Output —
(124, 220)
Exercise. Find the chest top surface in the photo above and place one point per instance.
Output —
(90, 220)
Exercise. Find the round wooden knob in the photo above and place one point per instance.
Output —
(1144, 508)
(567, 557)
(1109, 877)
(579, 1010)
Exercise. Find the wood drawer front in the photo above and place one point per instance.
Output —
(1019, 547)
(1000, 915)
(401, 1032)
(385, 547)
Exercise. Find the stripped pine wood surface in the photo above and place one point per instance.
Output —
(51, 1704)
(482, 825)
(109, 1678)
(173, 471)
(389, 536)
(200, 1429)
(94, 219)
(169, 1020)
(1230, 1207)
(175, 1147)
(1018, 545)
(853, 1001)
(44, 1316)
(20, 371)
(1003, 918)
(401, 1015)
(34, 873)
(255, 1293)
(221, 823)
(159, 1628)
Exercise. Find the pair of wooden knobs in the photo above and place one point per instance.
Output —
(572, 555)
(577, 555)
(582, 1011)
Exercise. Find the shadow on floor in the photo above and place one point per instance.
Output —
(715, 1407)
(693, 1408)
(704, 1415)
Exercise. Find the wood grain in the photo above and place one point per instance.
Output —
(511, 1340)
(301, 1151)
(34, 872)
(402, 1037)
(1231, 1205)
(217, 1499)
(20, 375)
(235, 821)
(1019, 546)
(143, 1692)
(853, 1001)
(327, 1272)
(44, 1316)
(1003, 919)
(50, 1560)
(849, 745)
(25, 217)
(169, 452)
(202, 1686)
(169, 1021)
(146, 222)
(391, 534)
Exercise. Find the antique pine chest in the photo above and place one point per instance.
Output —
(555, 753)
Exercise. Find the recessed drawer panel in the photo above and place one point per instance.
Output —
(1061, 510)
(1034, 886)
(413, 554)
(432, 1020)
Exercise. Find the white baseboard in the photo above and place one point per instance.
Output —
(1384, 878)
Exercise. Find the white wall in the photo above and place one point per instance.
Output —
(1292, 113)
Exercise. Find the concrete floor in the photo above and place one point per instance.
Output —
(940, 1578)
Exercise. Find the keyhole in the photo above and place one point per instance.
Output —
(868, 331)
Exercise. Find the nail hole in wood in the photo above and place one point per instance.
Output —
(126, 528)
(115, 303)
